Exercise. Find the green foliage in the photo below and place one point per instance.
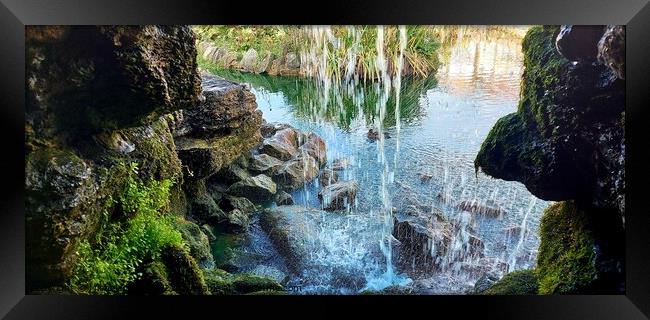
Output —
(515, 283)
(566, 258)
(109, 263)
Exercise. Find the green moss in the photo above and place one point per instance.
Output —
(109, 263)
(515, 283)
(184, 273)
(223, 283)
(196, 240)
(566, 258)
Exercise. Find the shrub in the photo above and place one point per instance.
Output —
(110, 262)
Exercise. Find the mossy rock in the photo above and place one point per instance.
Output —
(184, 273)
(519, 282)
(197, 241)
(221, 282)
(154, 281)
(566, 255)
(267, 293)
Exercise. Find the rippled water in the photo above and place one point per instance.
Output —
(444, 121)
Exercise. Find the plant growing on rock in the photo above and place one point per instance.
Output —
(110, 262)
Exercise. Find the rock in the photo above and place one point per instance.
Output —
(611, 50)
(278, 149)
(327, 177)
(292, 61)
(109, 77)
(271, 273)
(374, 135)
(579, 43)
(425, 177)
(288, 136)
(264, 64)
(580, 252)
(248, 62)
(263, 163)
(198, 243)
(257, 188)
(484, 283)
(183, 273)
(269, 129)
(294, 173)
(421, 242)
(566, 141)
(521, 282)
(221, 129)
(314, 146)
(230, 174)
(282, 198)
(338, 196)
(287, 227)
(489, 208)
(340, 164)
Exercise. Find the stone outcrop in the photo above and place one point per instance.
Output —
(252, 61)
(566, 142)
(339, 196)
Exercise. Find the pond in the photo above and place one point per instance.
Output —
(443, 121)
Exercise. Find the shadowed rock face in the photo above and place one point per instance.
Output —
(566, 141)
(96, 99)
(115, 77)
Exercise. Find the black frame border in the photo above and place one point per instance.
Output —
(15, 14)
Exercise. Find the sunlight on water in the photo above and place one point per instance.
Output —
(436, 127)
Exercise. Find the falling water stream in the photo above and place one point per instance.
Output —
(428, 127)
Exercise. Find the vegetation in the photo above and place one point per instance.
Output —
(110, 262)
(420, 52)
(566, 258)
(515, 283)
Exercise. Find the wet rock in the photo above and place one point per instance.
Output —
(288, 136)
(282, 198)
(292, 61)
(521, 282)
(327, 177)
(611, 50)
(271, 273)
(488, 208)
(579, 43)
(567, 139)
(198, 243)
(338, 196)
(268, 129)
(294, 173)
(340, 164)
(263, 163)
(183, 273)
(248, 62)
(314, 146)
(374, 135)
(257, 188)
(264, 64)
(221, 129)
(425, 177)
(486, 281)
(278, 149)
(421, 242)
(142, 73)
(230, 174)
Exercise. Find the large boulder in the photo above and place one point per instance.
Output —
(263, 163)
(294, 173)
(278, 149)
(566, 140)
(219, 130)
(108, 77)
(257, 188)
(314, 146)
(327, 177)
(339, 196)
(579, 43)
(611, 50)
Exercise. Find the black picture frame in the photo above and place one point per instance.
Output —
(15, 14)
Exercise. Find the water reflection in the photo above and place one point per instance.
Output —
(444, 121)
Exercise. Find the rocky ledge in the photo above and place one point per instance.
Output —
(566, 142)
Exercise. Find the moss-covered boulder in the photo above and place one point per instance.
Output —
(154, 281)
(515, 283)
(223, 283)
(566, 140)
(197, 242)
(580, 252)
(183, 272)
